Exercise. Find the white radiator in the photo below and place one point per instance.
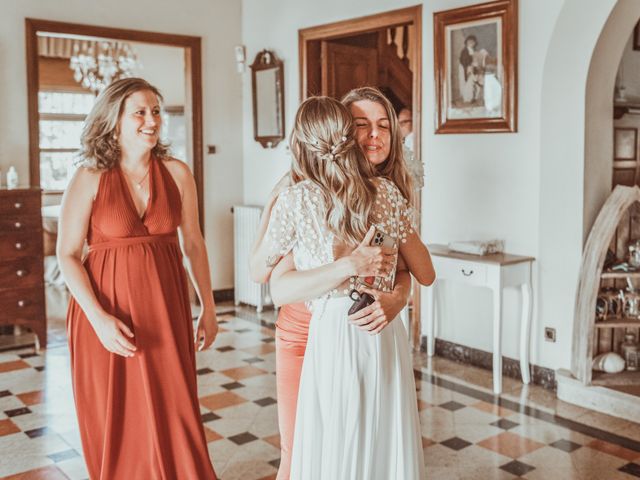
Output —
(246, 220)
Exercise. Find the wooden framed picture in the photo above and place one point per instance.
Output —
(625, 143)
(476, 71)
(636, 37)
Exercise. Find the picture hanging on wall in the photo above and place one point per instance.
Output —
(636, 37)
(476, 50)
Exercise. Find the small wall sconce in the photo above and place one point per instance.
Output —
(241, 57)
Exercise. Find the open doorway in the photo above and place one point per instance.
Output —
(382, 50)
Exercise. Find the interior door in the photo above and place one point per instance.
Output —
(345, 67)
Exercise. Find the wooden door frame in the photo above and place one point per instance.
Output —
(193, 90)
(369, 23)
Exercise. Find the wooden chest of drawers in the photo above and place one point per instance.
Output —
(21, 261)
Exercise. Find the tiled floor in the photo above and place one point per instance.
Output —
(467, 432)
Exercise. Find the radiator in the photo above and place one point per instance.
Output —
(246, 220)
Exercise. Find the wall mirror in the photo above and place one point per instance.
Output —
(267, 83)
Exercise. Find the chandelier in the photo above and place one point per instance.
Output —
(97, 64)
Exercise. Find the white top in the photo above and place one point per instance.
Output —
(298, 223)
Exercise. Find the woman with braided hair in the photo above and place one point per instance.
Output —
(357, 414)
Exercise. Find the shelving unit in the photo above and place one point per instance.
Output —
(618, 322)
(617, 225)
(608, 275)
(623, 378)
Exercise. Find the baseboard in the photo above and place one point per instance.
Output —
(545, 377)
(224, 295)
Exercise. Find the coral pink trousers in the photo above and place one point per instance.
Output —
(292, 328)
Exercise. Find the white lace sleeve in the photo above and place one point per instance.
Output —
(408, 218)
(392, 211)
(282, 230)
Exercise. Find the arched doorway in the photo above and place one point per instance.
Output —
(577, 92)
(576, 152)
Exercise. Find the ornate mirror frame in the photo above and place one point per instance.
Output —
(267, 60)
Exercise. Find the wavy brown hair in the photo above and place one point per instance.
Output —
(393, 167)
(325, 152)
(100, 149)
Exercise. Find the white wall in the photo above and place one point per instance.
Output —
(163, 67)
(527, 187)
(217, 22)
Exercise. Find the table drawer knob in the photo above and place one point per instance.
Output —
(19, 245)
(18, 225)
(21, 303)
(466, 273)
(21, 273)
(18, 205)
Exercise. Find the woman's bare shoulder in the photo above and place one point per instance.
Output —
(86, 180)
(178, 169)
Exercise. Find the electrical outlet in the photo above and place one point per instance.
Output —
(550, 334)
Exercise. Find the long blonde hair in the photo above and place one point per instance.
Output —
(325, 152)
(100, 149)
(394, 167)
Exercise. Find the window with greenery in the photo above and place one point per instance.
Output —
(62, 116)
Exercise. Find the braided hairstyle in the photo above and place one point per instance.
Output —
(325, 152)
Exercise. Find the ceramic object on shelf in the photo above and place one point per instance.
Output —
(609, 362)
(630, 351)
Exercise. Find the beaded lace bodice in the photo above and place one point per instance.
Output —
(298, 223)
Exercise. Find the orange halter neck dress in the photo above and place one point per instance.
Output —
(139, 417)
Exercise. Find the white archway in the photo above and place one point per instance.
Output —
(576, 144)
(598, 151)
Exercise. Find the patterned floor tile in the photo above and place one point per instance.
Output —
(263, 349)
(240, 373)
(510, 444)
(7, 427)
(615, 450)
(242, 438)
(14, 365)
(565, 445)
(504, 424)
(211, 435)
(45, 473)
(273, 440)
(32, 398)
(493, 409)
(456, 443)
(221, 400)
(517, 468)
(631, 469)
(466, 434)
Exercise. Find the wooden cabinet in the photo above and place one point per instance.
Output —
(21, 261)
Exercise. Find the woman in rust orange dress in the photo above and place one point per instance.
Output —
(129, 322)
(379, 136)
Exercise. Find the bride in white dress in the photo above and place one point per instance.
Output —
(357, 413)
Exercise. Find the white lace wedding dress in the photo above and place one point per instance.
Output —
(357, 416)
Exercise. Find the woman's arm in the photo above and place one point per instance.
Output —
(75, 213)
(418, 260)
(195, 253)
(257, 271)
(289, 285)
(375, 317)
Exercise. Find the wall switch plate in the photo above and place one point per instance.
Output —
(550, 334)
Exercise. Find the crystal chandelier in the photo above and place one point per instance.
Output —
(97, 64)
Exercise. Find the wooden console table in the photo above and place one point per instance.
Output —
(496, 271)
